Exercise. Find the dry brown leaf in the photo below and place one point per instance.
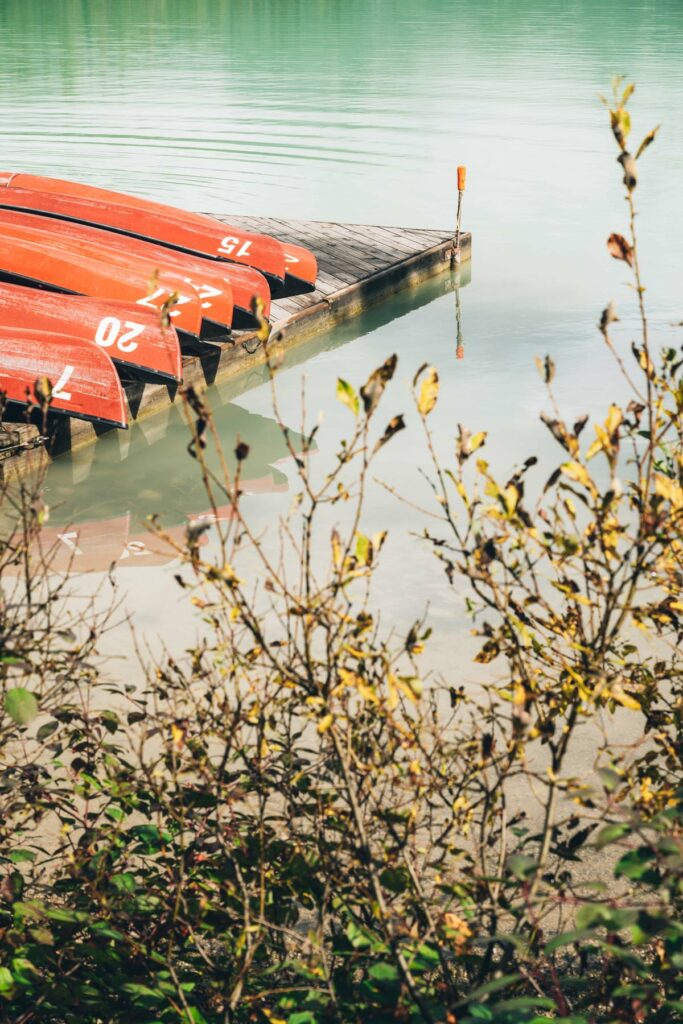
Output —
(619, 248)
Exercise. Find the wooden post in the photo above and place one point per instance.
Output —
(462, 177)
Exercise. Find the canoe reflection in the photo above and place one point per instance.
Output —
(120, 542)
(100, 498)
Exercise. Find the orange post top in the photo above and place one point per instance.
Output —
(462, 175)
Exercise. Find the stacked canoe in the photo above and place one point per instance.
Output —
(99, 287)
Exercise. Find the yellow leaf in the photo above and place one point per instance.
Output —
(618, 694)
(429, 392)
(378, 540)
(460, 488)
(363, 549)
(667, 488)
(594, 449)
(392, 701)
(325, 723)
(353, 680)
(614, 419)
(575, 471)
(408, 690)
(366, 692)
(415, 685)
(511, 496)
(356, 652)
(347, 396)
(336, 549)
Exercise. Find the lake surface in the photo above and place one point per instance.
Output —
(360, 111)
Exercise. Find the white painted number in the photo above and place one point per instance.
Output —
(230, 243)
(135, 548)
(58, 390)
(205, 291)
(161, 293)
(70, 539)
(151, 299)
(111, 330)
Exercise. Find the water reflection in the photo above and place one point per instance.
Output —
(101, 496)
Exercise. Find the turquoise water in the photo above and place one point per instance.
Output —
(360, 112)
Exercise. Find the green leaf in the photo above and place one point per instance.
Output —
(636, 865)
(609, 779)
(24, 971)
(384, 973)
(358, 937)
(46, 731)
(598, 915)
(66, 916)
(6, 980)
(493, 986)
(302, 1018)
(110, 721)
(124, 882)
(21, 705)
(347, 396)
(477, 1013)
(395, 879)
(426, 958)
(566, 939)
(527, 1003)
(520, 866)
(143, 993)
(648, 925)
(19, 856)
(196, 1015)
(610, 834)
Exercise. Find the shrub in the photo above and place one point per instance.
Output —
(293, 826)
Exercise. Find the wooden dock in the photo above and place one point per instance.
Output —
(358, 265)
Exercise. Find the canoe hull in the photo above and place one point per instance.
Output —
(30, 260)
(204, 276)
(300, 264)
(84, 382)
(218, 243)
(134, 338)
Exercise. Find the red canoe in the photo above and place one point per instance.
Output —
(221, 240)
(259, 251)
(213, 290)
(133, 337)
(206, 275)
(27, 261)
(84, 381)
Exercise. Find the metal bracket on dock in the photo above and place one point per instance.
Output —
(11, 443)
(251, 351)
